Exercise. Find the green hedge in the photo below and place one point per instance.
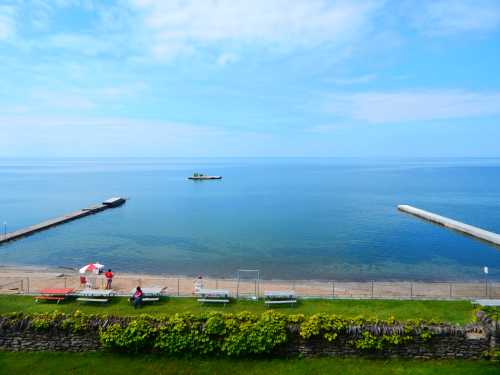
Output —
(238, 334)
(232, 335)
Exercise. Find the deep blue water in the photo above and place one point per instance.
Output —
(291, 218)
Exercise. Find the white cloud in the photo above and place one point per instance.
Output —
(282, 23)
(446, 17)
(139, 29)
(7, 24)
(407, 106)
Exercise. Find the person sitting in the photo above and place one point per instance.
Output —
(136, 299)
(109, 278)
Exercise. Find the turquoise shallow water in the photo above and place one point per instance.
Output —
(291, 218)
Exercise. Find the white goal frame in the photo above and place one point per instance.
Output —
(246, 275)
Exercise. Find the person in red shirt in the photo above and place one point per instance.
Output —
(109, 278)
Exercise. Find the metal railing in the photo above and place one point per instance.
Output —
(183, 286)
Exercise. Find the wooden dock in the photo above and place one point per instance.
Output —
(469, 230)
(110, 203)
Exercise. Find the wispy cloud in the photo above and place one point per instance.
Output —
(115, 123)
(102, 29)
(184, 26)
(40, 100)
(7, 22)
(407, 106)
(117, 136)
(448, 17)
(143, 29)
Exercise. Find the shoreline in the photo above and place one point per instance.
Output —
(69, 271)
(31, 279)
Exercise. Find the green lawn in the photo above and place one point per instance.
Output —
(94, 363)
(446, 311)
(91, 363)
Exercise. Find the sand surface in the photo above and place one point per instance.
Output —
(17, 280)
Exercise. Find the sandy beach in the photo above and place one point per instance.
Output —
(29, 280)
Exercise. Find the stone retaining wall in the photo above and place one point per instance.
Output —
(439, 347)
(469, 346)
(28, 341)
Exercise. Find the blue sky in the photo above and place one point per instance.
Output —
(249, 78)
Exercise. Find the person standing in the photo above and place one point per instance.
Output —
(109, 278)
(198, 284)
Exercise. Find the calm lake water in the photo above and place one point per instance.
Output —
(290, 218)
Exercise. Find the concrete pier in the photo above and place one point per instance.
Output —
(469, 230)
(110, 203)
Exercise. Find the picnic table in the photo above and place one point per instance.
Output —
(213, 295)
(95, 295)
(54, 294)
(150, 294)
(279, 297)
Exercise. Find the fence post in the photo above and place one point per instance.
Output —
(22, 285)
(333, 288)
(372, 288)
(451, 290)
(178, 289)
(216, 284)
(65, 279)
(411, 290)
(28, 287)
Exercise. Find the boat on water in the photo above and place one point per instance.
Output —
(200, 176)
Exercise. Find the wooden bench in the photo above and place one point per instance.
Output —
(49, 298)
(213, 300)
(280, 302)
(101, 300)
